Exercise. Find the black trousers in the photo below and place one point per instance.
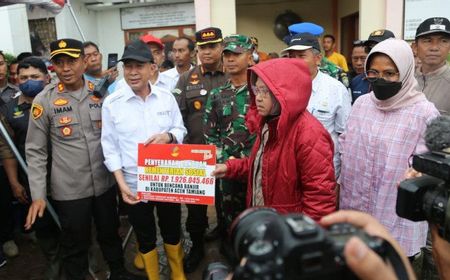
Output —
(142, 218)
(6, 209)
(76, 219)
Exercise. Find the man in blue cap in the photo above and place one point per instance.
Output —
(325, 66)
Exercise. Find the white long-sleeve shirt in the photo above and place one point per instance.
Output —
(128, 120)
(330, 103)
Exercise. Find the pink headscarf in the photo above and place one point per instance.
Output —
(402, 56)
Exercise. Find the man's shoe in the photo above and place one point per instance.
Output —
(193, 259)
(10, 249)
(214, 234)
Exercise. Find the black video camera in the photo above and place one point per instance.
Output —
(290, 247)
(427, 197)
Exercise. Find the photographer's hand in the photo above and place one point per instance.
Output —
(364, 262)
(441, 253)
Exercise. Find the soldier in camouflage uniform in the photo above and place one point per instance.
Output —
(224, 119)
(334, 71)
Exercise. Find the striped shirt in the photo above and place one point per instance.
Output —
(376, 149)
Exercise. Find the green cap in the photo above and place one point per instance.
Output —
(238, 43)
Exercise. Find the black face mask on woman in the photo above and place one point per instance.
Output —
(385, 89)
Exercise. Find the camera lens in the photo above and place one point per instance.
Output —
(249, 226)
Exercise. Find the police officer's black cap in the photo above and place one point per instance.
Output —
(379, 36)
(208, 35)
(70, 47)
(138, 51)
(433, 26)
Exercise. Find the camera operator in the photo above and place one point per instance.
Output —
(365, 263)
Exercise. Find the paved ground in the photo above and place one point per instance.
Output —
(30, 264)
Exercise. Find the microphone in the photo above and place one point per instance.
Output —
(437, 135)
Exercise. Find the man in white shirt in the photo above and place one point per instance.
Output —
(330, 101)
(183, 51)
(140, 113)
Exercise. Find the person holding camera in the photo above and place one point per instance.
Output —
(290, 167)
(385, 128)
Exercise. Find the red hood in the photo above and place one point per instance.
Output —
(290, 82)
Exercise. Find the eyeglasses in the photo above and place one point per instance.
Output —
(373, 75)
(261, 91)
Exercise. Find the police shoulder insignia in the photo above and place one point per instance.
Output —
(36, 111)
(90, 85)
(61, 102)
(60, 87)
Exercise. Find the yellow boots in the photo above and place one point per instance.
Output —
(138, 261)
(151, 264)
(175, 258)
(149, 261)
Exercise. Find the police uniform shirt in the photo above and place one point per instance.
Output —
(191, 92)
(129, 120)
(17, 116)
(71, 121)
(7, 93)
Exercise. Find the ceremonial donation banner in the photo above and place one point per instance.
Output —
(176, 173)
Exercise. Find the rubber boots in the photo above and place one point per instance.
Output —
(151, 264)
(138, 261)
(175, 257)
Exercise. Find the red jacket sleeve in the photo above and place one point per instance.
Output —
(237, 169)
(315, 166)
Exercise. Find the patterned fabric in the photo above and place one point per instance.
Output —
(375, 152)
(334, 71)
(224, 120)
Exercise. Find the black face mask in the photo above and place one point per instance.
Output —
(384, 89)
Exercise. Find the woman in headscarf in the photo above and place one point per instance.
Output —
(385, 128)
(290, 167)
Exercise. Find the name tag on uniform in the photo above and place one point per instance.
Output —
(194, 87)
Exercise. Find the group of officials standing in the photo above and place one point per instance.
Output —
(77, 140)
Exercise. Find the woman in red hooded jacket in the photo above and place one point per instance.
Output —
(290, 167)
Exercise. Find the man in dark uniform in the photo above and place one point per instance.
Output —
(32, 76)
(7, 244)
(191, 92)
(68, 115)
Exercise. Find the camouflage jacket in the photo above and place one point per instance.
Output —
(224, 121)
(334, 71)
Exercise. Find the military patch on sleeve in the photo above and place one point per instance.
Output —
(176, 91)
(36, 111)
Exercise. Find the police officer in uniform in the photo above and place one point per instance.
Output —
(191, 92)
(226, 128)
(68, 115)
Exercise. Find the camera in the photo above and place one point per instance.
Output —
(293, 246)
(427, 197)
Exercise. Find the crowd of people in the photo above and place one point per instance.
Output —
(305, 133)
